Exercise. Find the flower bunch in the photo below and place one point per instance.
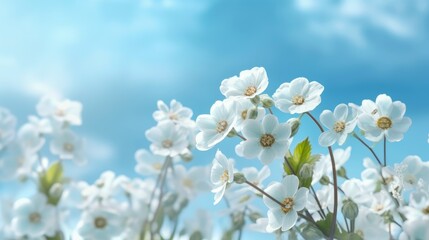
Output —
(315, 198)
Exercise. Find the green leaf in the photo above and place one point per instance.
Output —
(301, 157)
(57, 236)
(325, 225)
(47, 179)
(302, 153)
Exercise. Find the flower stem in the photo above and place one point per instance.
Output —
(334, 176)
(384, 140)
(369, 148)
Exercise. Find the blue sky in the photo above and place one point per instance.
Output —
(119, 57)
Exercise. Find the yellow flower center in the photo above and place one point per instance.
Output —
(225, 176)
(34, 217)
(384, 123)
(250, 91)
(267, 140)
(68, 147)
(173, 116)
(379, 207)
(100, 222)
(244, 114)
(221, 126)
(339, 126)
(188, 183)
(288, 204)
(167, 143)
(298, 100)
(157, 166)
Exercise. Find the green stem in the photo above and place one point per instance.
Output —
(334, 176)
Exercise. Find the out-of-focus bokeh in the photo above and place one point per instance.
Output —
(118, 57)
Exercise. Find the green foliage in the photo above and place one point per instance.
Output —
(325, 226)
(47, 179)
(301, 157)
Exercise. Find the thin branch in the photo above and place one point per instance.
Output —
(334, 175)
(369, 148)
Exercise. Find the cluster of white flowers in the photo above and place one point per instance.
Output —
(315, 197)
(315, 190)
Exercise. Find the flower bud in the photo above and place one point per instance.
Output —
(253, 113)
(239, 178)
(342, 172)
(325, 180)
(294, 124)
(266, 101)
(56, 190)
(186, 157)
(232, 133)
(306, 171)
(350, 209)
(256, 100)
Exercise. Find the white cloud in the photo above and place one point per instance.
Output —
(354, 20)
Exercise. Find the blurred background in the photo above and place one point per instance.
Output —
(118, 57)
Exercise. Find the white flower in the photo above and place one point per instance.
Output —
(323, 166)
(167, 139)
(340, 123)
(100, 224)
(222, 173)
(200, 222)
(256, 177)
(30, 139)
(148, 163)
(325, 195)
(188, 183)
(249, 84)
(355, 190)
(244, 109)
(62, 111)
(67, 145)
(298, 96)
(382, 202)
(412, 170)
(15, 162)
(34, 217)
(383, 118)
(416, 229)
(294, 200)
(7, 127)
(215, 126)
(266, 141)
(176, 113)
(369, 225)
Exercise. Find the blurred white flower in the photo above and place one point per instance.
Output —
(176, 113)
(340, 123)
(148, 163)
(412, 169)
(294, 200)
(100, 223)
(167, 139)
(355, 190)
(298, 96)
(256, 177)
(383, 118)
(222, 173)
(30, 138)
(322, 167)
(34, 217)
(266, 141)
(382, 202)
(325, 195)
(62, 111)
(188, 183)
(215, 126)
(369, 225)
(7, 127)
(249, 84)
(68, 146)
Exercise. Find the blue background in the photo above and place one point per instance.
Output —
(119, 57)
